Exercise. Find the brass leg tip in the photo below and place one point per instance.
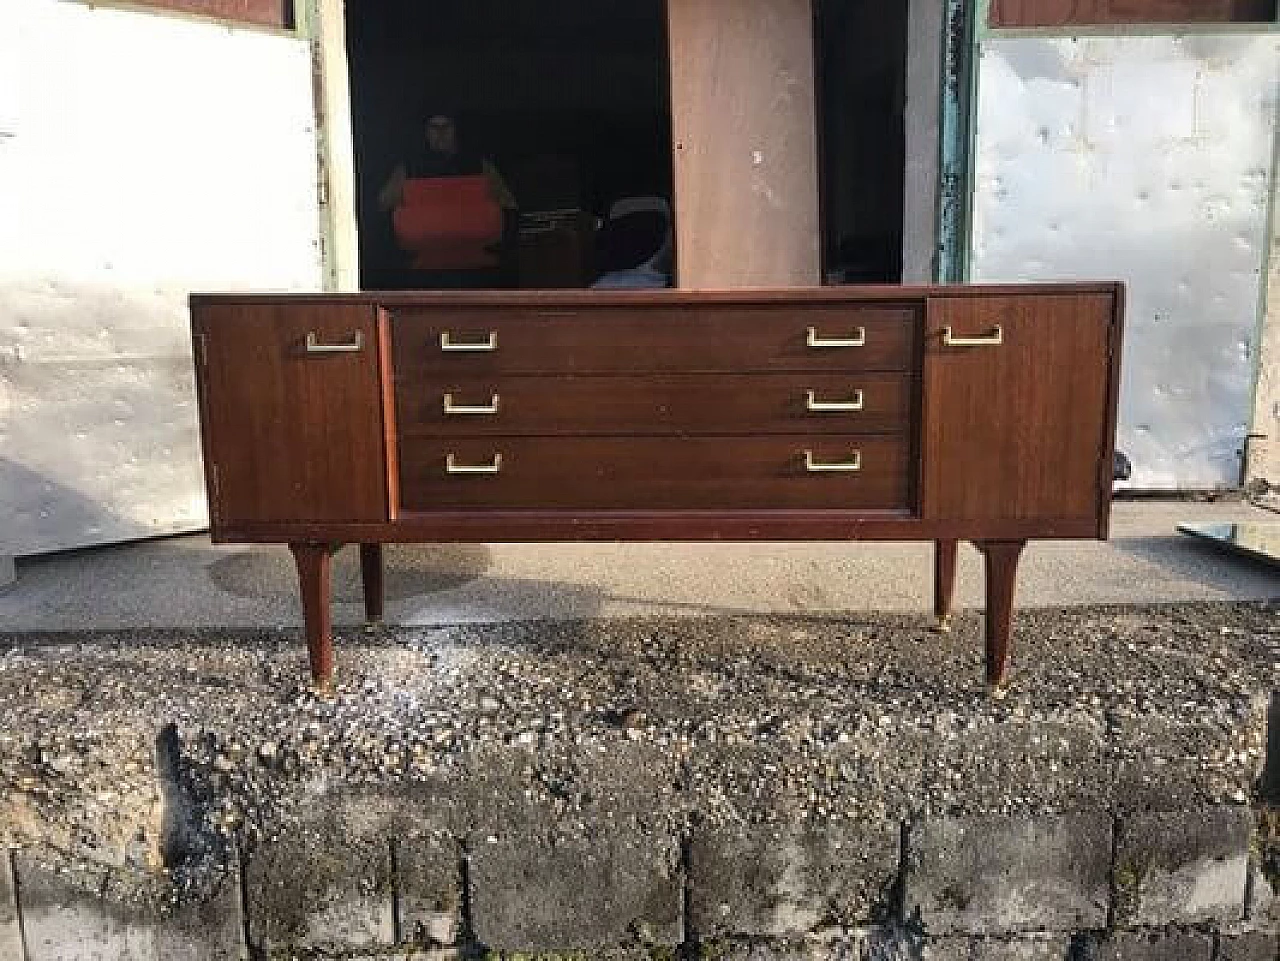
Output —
(943, 624)
(997, 690)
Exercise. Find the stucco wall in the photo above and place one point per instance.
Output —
(1145, 159)
(142, 157)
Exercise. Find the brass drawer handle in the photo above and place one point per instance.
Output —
(447, 343)
(812, 403)
(451, 408)
(819, 467)
(352, 346)
(451, 466)
(859, 339)
(994, 339)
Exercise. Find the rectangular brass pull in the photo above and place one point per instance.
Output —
(859, 339)
(451, 408)
(812, 403)
(819, 467)
(993, 339)
(451, 466)
(447, 343)
(352, 346)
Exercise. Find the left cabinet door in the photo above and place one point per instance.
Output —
(292, 412)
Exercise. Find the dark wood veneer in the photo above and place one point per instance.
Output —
(664, 415)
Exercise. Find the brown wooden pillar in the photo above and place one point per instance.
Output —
(745, 143)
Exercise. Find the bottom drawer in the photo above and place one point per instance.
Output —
(655, 473)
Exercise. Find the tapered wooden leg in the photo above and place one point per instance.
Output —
(316, 582)
(1002, 571)
(371, 576)
(944, 582)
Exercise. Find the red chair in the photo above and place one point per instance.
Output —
(449, 223)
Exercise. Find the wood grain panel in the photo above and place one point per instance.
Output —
(654, 473)
(655, 404)
(1056, 13)
(1016, 430)
(290, 435)
(670, 338)
(745, 135)
(267, 13)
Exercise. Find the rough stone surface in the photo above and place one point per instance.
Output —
(786, 882)
(996, 875)
(1183, 867)
(663, 724)
(10, 930)
(1253, 946)
(609, 886)
(1157, 946)
(327, 883)
(429, 883)
(1054, 948)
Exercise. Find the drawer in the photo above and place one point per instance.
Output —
(628, 339)
(654, 404)
(658, 473)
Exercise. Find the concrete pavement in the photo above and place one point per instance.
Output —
(188, 582)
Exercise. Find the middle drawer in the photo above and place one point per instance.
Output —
(683, 404)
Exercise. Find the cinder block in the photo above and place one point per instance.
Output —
(546, 890)
(1254, 946)
(850, 948)
(996, 875)
(784, 882)
(1156, 946)
(10, 930)
(327, 884)
(1184, 867)
(210, 930)
(429, 882)
(62, 920)
(1027, 948)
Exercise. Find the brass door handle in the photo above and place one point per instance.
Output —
(352, 346)
(451, 408)
(859, 339)
(447, 343)
(812, 403)
(451, 466)
(993, 339)
(819, 467)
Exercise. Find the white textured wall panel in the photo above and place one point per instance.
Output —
(141, 157)
(1143, 159)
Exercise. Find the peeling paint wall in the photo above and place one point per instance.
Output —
(141, 157)
(1144, 159)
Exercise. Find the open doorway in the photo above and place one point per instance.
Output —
(560, 173)
(861, 48)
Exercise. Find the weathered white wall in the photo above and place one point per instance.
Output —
(141, 157)
(1263, 462)
(1145, 159)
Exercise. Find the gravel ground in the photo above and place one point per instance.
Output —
(158, 755)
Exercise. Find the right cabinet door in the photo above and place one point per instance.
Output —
(1017, 411)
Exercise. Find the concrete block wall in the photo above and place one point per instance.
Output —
(1185, 885)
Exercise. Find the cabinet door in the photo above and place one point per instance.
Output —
(291, 404)
(1019, 429)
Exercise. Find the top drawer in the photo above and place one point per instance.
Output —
(686, 338)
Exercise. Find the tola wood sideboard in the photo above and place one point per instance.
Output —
(980, 413)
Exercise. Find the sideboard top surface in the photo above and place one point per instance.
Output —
(568, 298)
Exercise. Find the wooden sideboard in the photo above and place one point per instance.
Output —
(889, 413)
